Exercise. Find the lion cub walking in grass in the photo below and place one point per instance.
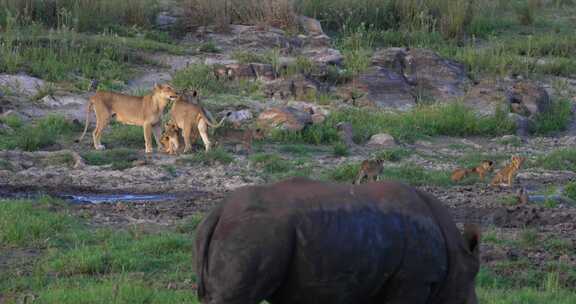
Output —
(485, 167)
(505, 176)
(243, 137)
(143, 111)
(370, 170)
(169, 140)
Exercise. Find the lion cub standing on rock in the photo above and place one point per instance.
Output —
(169, 140)
(191, 117)
(145, 111)
(505, 176)
(486, 166)
(370, 170)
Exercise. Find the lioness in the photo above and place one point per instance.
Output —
(143, 111)
(190, 116)
(369, 170)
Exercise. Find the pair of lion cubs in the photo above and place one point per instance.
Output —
(504, 177)
(146, 111)
(371, 169)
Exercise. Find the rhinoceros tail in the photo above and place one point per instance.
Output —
(203, 238)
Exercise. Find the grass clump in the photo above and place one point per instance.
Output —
(118, 159)
(122, 136)
(222, 13)
(122, 289)
(82, 15)
(199, 77)
(30, 223)
(556, 119)
(570, 190)
(270, 163)
(453, 119)
(121, 252)
(217, 155)
(563, 159)
(417, 176)
(393, 155)
(340, 149)
(35, 136)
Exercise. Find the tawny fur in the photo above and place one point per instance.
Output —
(485, 167)
(192, 118)
(505, 176)
(369, 170)
(143, 111)
(169, 140)
(244, 137)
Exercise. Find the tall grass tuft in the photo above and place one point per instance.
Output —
(278, 13)
(81, 15)
(452, 18)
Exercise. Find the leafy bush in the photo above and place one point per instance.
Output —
(556, 119)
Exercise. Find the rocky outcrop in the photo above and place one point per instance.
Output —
(21, 84)
(399, 78)
(287, 118)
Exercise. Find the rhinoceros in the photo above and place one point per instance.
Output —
(309, 242)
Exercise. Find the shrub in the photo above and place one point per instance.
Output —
(556, 119)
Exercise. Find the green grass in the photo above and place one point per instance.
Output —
(563, 159)
(119, 135)
(394, 154)
(36, 135)
(31, 224)
(82, 15)
(118, 159)
(270, 163)
(199, 77)
(115, 290)
(66, 56)
(340, 149)
(92, 265)
(452, 120)
(570, 190)
(217, 155)
(406, 173)
(556, 119)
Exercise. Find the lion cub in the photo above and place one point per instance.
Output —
(504, 177)
(169, 139)
(369, 169)
(242, 137)
(484, 168)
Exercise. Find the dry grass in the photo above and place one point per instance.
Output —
(278, 13)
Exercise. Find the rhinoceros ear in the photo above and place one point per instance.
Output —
(472, 237)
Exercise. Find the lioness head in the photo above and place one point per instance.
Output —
(165, 92)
